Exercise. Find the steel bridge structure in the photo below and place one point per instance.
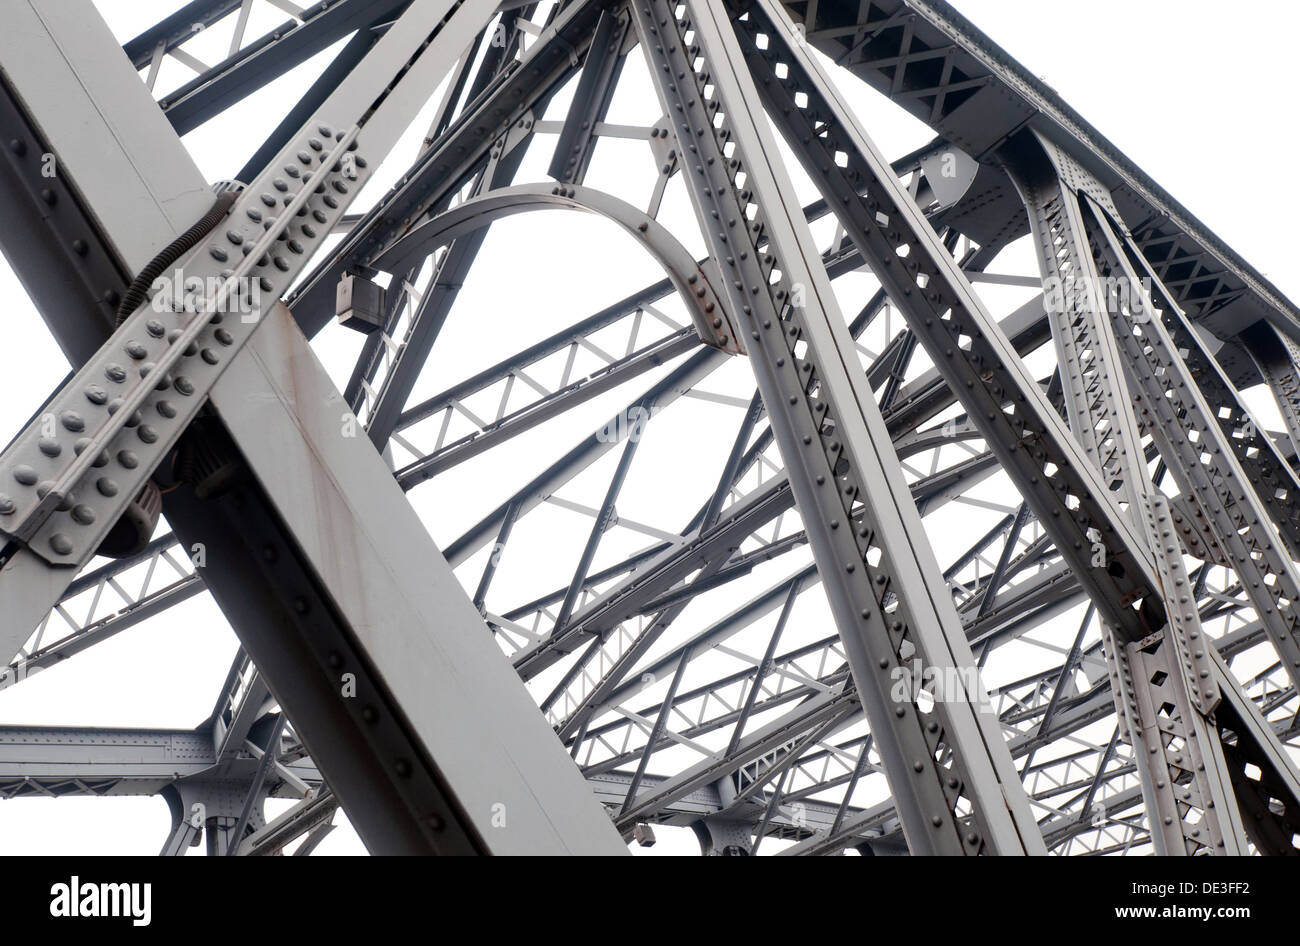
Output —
(851, 558)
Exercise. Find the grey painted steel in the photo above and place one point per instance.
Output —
(968, 348)
(451, 160)
(1277, 357)
(1114, 526)
(694, 282)
(370, 596)
(258, 62)
(1163, 686)
(984, 96)
(793, 735)
(1202, 456)
(792, 348)
(73, 761)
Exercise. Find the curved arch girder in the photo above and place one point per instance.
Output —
(693, 280)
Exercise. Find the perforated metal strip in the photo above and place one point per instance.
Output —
(948, 767)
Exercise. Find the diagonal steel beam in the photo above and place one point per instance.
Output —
(273, 545)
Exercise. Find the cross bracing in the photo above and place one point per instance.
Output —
(798, 540)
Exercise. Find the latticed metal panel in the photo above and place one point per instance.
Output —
(771, 545)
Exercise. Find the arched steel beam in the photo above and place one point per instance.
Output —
(692, 280)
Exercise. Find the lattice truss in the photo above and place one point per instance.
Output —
(866, 515)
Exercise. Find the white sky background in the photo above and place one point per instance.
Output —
(1190, 95)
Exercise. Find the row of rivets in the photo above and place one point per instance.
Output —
(114, 373)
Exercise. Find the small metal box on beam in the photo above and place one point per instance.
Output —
(359, 303)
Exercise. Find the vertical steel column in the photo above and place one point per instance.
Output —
(884, 586)
(1165, 695)
(1163, 685)
(1201, 455)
